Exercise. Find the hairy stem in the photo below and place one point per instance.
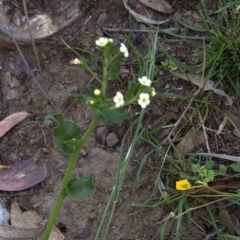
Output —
(62, 195)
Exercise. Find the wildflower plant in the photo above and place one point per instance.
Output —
(70, 139)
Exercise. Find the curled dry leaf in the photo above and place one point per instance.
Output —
(203, 83)
(12, 120)
(140, 17)
(158, 5)
(22, 175)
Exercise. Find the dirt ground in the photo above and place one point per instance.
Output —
(27, 138)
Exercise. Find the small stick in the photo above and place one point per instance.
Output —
(116, 30)
(181, 117)
(222, 156)
(204, 131)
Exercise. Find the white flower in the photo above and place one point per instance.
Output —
(124, 50)
(119, 100)
(110, 40)
(101, 42)
(145, 81)
(96, 92)
(91, 102)
(76, 61)
(144, 100)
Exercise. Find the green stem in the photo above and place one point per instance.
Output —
(105, 70)
(62, 195)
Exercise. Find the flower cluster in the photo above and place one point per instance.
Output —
(103, 41)
(144, 98)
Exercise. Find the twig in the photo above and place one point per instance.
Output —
(35, 80)
(32, 41)
(204, 131)
(116, 30)
(222, 156)
(181, 117)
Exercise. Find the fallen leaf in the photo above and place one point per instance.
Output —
(11, 121)
(8, 232)
(22, 175)
(188, 143)
(158, 5)
(142, 18)
(226, 221)
(203, 83)
(30, 220)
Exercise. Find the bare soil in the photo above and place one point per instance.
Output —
(23, 141)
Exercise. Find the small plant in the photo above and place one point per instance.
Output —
(69, 138)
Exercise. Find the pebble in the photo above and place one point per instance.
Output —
(112, 139)
(101, 19)
(102, 133)
(99, 33)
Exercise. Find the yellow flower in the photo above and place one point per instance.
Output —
(153, 92)
(183, 185)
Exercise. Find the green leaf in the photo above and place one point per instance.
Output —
(235, 167)
(66, 135)
(80, 188)
(79, 97)
(209, 164)
(238, 191)
(116, 115)
(222, 170)
(196, 167)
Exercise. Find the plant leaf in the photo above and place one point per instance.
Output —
(66, 135)
(117, 115)
(158, 5)
(12, 120)
(80, 188)
(140, 17)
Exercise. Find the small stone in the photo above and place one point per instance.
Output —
(112, 139)
(83, 153)
(161, 73)
(99, 33)
(102, 133)
(101, 19)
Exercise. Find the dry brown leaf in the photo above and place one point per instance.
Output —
(140, 17)
(12, 120)
(226, 221)
(158, 5)
(8, 232)
(187, 144)
(203, 83)
(31, 219)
